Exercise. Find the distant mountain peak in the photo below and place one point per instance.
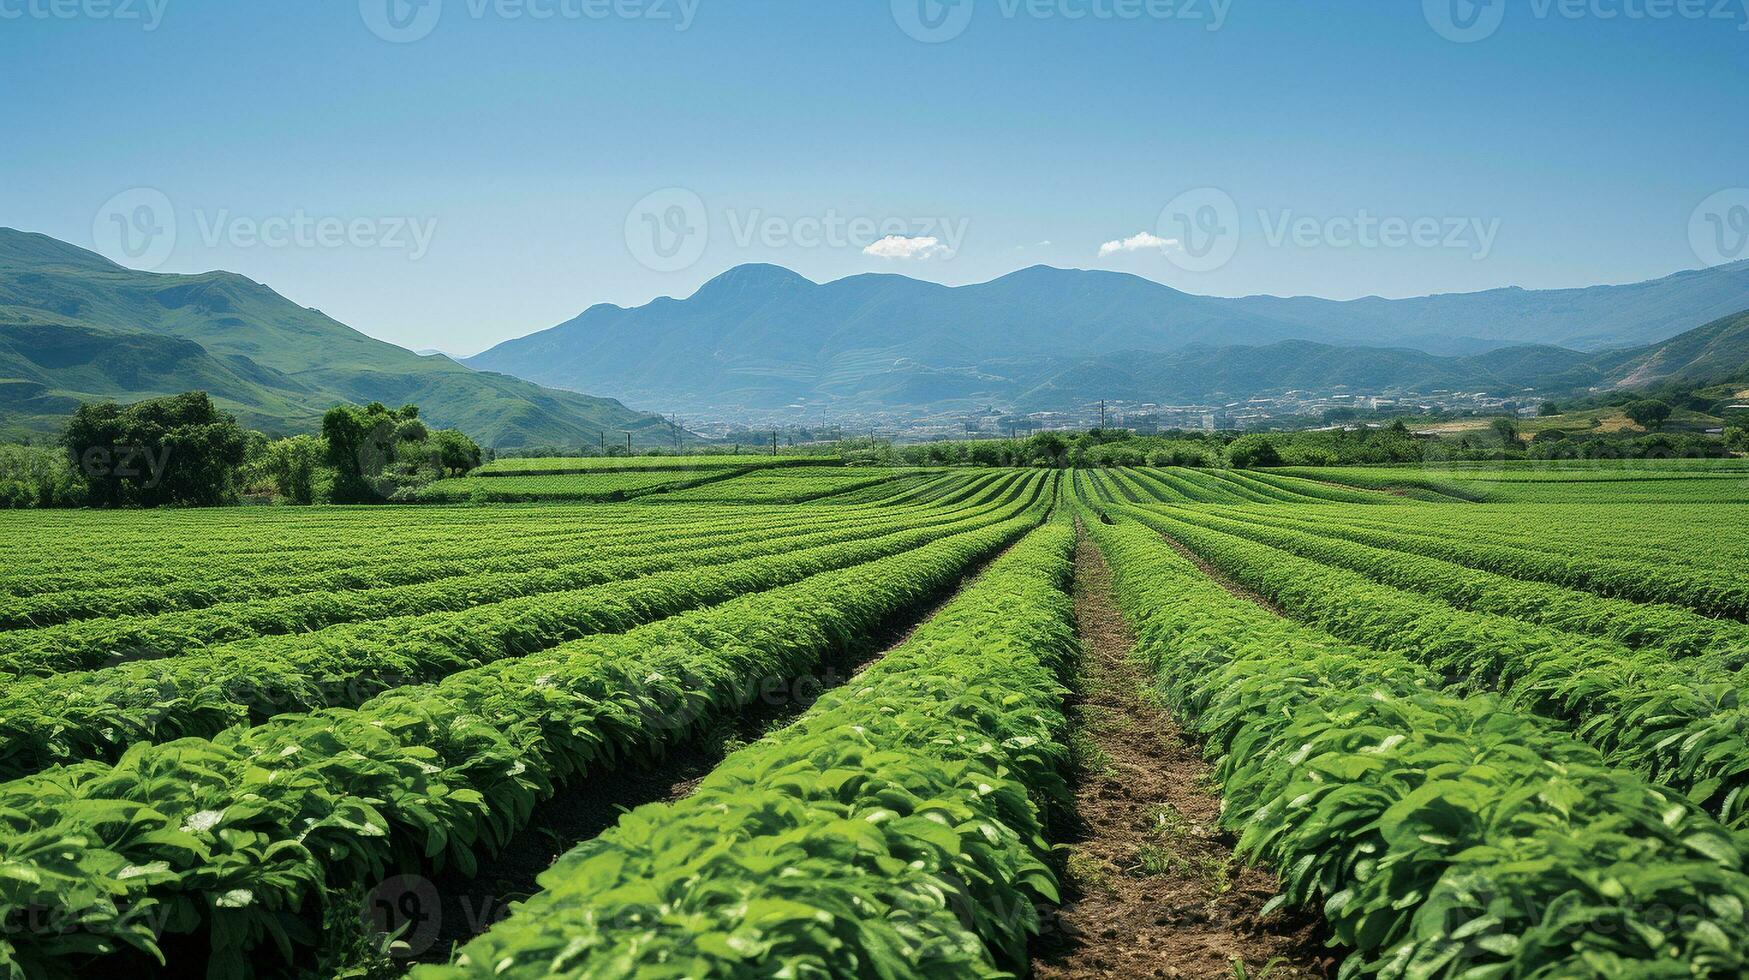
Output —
(753, 278)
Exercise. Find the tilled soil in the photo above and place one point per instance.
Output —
(1153, 887)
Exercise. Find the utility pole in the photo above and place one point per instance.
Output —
(774, 442)
(604, 442)
(1102, 415)
(628, 444)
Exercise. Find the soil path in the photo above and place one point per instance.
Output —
(1153, 888)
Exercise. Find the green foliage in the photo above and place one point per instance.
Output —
(190, 681)
(251, 834)
(38, 476)
(1444, 836)
(456, 454)
(178, 451)
(380, 454)
(1506, 428)
(1737, 438)
(1649, 413)
(292, 469)
(1655, 689)
(1247, 452)
(905, 812)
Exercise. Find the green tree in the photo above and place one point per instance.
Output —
(987, 454)
(1506, 428)
(454, 452)
(1649, 412)
(1737, 438)
(179, 450)
(293, 467)
(1047, 449)
(1548, 409)
(362, 444)
(1251, 451)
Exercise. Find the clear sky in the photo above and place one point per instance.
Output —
(459, 172)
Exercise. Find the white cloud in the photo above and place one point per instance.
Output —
(900, 247)
(1139, 242)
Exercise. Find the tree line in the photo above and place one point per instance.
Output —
(185, 451)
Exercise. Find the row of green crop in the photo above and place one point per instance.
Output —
(553, 465)
(1660, 535)
(789, 486)
(303, 559)
(1671, 628)
(1680, 722)
(894, 831)
(1506, 485)
(517, 550)
(87, 643)
(1430, 483)
(138, 548)
(601, 487)
(1713, 591)
(1180, 485)
(1444, 836)
(242, 842)
(141, 543)
(99, 714)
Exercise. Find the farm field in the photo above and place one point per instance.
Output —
(785, 719)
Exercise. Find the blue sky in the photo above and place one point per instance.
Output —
(495, 170)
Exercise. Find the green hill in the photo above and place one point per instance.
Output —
(760, 338)
(74, 325)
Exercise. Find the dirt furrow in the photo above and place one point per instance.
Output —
(1153, 888)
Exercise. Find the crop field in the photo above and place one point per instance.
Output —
(785, 719)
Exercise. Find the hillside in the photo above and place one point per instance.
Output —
(760, 338)
(74, 325)
(1717, 352)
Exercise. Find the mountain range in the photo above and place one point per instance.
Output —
(75, 326)
(762, 340)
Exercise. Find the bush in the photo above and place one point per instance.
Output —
(38, 476)
(290, 469)
(1251, 451)
(1649, 412)
(180, 450)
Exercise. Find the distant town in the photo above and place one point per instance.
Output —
(1297, 409)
